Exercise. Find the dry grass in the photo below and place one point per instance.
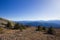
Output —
(28, 34)
(57, 34)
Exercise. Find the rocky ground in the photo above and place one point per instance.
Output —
(28, 34)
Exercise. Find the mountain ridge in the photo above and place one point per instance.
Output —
(54, 23)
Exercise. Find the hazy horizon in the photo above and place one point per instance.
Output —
(30, 10)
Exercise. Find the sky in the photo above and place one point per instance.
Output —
(20, 10)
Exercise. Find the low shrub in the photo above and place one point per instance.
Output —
(1, 30)
(39, 28)
(51, 30)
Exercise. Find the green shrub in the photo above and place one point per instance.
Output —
(39, 28)
(17, 26)
(1, 30)
(44, 28)
(26, 26)
(23, 27)
(50, 30)
(9, 25)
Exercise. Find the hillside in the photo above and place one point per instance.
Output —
(28, 34)
(3, 22)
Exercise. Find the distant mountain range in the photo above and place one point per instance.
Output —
(54, 23)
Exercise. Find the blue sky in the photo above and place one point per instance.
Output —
(19, 10)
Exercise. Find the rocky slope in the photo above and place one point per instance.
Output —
(3, 22)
